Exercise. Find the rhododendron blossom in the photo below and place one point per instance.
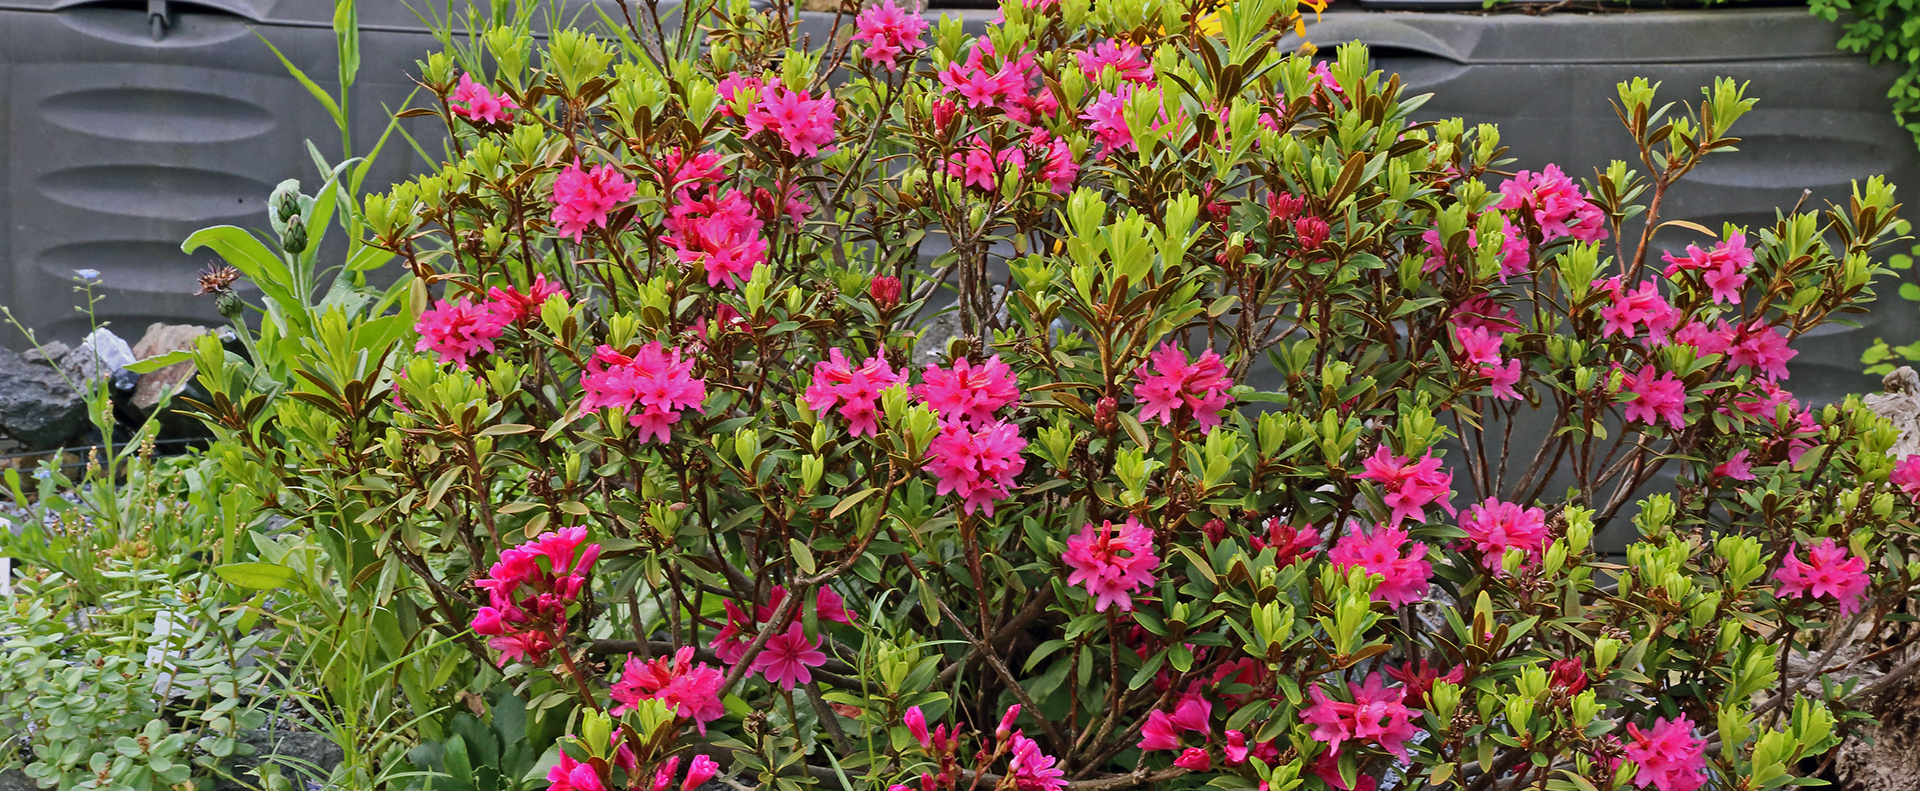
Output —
(1377, 714)
(1641, 308)
(529, 590)
(786, 658)
(1111, 562)
(1106, 118)
(1515, 258)
(1409, 486)
(1495, 526)
(458, 331)
(1031, 768)
(1660, 397)
(1830, 570)
(517, 307)
(582, 198)
(804, 123)
(1407, 576)
(1291, 544)
(1193, 714)
(720, 231)
(1126, 59)
(889, 32)
(854, 391)
(968, 392)
(1418, 681)
(472, 101)
(1763, 348)
(1736, 467)
(654, 385)
(689, 690)
(978, 463)
(1171, 389)
(1906, 475)
(571, 775)
(1554, 203)
(1723, 269)
(1669, 756)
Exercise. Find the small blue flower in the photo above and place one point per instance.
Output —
(88, 274)
(42, 474)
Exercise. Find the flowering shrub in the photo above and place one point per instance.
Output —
(1215, 483)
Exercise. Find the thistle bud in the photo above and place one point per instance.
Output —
(294, 239)
(285, 202)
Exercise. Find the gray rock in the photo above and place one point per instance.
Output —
(300, 755)
(36, 405)
(49, 353)
(101, 355)
(16, 780)
(163, 339)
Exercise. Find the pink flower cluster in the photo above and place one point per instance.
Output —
(1378, 714)
(1409, 486)
(583, 198)
(1175, 391)
(1670, 757)
(1111, 562)
(472, 101)
(967, 392)
(1008, 87)
(854, 391)
(1162, 730)
(1419, 680)
(518, 307)
(1830, 570)
(1555, 204)
(787, 656)
(529, 590)
(691, 691)
(888, 31)
(1407, 577)
(1126, 58)
(654, 386)
(1479, 344)
(1658, 397)
(1292, 544)
(460, 330)
(980, 167)
(720, 231)
(1723, 269)
(1495, 526)
(1107, 120)
(1640, 308)
(977, 462)
(1906, 475)
(804, 123)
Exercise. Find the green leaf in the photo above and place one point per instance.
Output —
(852, 501)
(260, 576)
(160, 361)
(801, 554)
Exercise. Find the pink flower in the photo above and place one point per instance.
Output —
(1292, 544)
(653, 386)
(1324, 74)
(518, 307)
(1829, 570)
(663, 776)
(1762, 347)
(1162, 731)
(967, 392)
(884, 290)
(1311, 232)
(1735, 467)
(1502, 379)
(1058, 168)
(582, 198)
(785, 658)
(699, 771)
(972, 81)
(802, 122)
(1377, 714)
(1409, 486)
(681, 173)
(917, 725)
(689, 690)
(855, 391)
(1194, 759)
(1006, 722)
(1661, 397)
(1555, 204)
(1724, 266)
(458, 331)
(1669, 756)
(1286, 206)
(731, 642)
(1705, 340)
(1033, 770)
(1906, 475)
(1106, 119)
(1642, 307)
(527, 601)
(977, 463)
(1196, 391)
(1111, 562)
(889, 31)
(1569, 674)
(1495, 526)
(1406, 576)
(720, 231)
(1235, 750)
(571, 775)
(1479, 345)
(475, 103)
(1125, 57)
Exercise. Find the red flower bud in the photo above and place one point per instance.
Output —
(885, 291)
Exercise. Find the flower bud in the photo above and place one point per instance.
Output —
(294, 239)
(1006, 722)
(885, 291)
